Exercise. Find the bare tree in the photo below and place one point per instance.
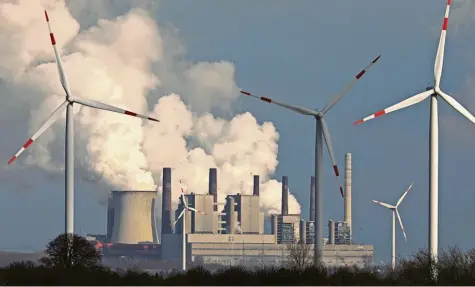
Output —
(70, 250)
(299, 255)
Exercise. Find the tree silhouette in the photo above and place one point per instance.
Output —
(70, 250)
(299, 255)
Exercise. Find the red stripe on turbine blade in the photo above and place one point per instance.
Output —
(245, 93)
(446, 23)
(28, 143)
(380, 113)
(448, 2)
(266, 99)
(341, 191)
(12, 159)
(46, 16)
(360, 74)
(377, 58)
(358, 122)
(130, 113)
(53, 41)
(335, 169)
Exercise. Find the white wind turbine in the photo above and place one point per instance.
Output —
(395, 212)
(433, 92)
(321, 130)
(183, 229)
(69, 144)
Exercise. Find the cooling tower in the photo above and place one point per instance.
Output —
(348, 190)
(134, 217)
(167, 201)
(213, 187)
(285, 196)
(255, 190)
(312, 199)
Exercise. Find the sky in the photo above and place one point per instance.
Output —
(299, 52)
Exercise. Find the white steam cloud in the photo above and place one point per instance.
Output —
(130, 62)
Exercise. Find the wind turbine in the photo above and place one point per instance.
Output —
(434, 93)
(395, 212)
(69, 144)
(321, 130)
(183, 230)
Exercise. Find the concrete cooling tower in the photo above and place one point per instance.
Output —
(134, 217)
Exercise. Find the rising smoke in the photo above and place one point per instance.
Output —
(131, 62)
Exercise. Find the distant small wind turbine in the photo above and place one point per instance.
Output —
(395, 212)
(183, 231)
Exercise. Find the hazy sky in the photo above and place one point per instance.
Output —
(302, 52)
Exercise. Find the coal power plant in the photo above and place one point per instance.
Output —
(229, 232)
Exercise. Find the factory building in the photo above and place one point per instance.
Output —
(233, 233)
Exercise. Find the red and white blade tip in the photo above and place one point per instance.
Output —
(135, 115)
(445, 24)
(375, 115)
(46, 16)
(25, 146)
(262, 98)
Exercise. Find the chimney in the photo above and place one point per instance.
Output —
(312, 199)
(167, 201)
(231, 220)
(331, 227)
(348, 190)
(285, 196)
(256, 186)
(213, 187)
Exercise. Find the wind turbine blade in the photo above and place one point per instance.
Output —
(345, 90)
(328, 141)
(300, 110)
(403, 195)
(384, 204)
(404, 104)
(457, 106)
(54, 116)
(62, 75)
(183, 195)
(195, 210)
(102, 106)
(179, 216)
(400, 222)
(439, 58)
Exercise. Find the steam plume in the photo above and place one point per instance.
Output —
(131, 62)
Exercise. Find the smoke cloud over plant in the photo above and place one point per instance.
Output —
(129, 61)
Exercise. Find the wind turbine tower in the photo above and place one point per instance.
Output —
(321, 131)
(434, 92)
(69, 145)
(394, 212)
(183, 232)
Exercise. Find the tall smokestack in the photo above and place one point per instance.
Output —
(213, 187)
(167, 201)
(256, 186)
(348, 190)
(285, 196)
(312, 199)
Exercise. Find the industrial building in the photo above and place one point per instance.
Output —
(231, 234)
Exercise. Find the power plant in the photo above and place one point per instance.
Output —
(230, 233)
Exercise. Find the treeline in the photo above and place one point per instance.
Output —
(71, 260)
